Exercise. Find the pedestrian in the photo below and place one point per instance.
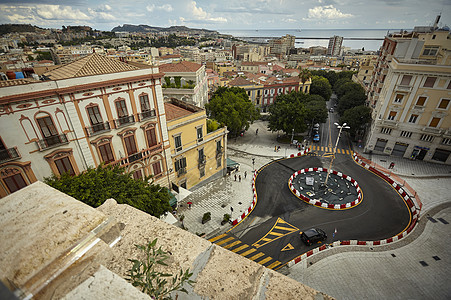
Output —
(239, 176)
(275, 148)
(392, 165)
(235, 177)
(256, 131)
(245, 174)
(278, 148)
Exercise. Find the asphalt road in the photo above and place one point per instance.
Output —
(275, 224)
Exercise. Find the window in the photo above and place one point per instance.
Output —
(145, 105)
(406, 134)
(266, 92)
(413, 118)
(272, 91)
(430, 81)
(151, 137)
(95, 119)
(392, 115)
(398, 98)
(444, 104)
(121, 109)
(178, 142)
(421, 101)
(106, 153)
(406, 80)
(201, 156)
(386, 130)
(430, 50)
(199, 134)
(64, 166)
(137, 175)
(47, 127)
(449, 85)
(218, 162)
(15, 182)
(427, 137)
(130, 145)
(434, 122)
(202, 172)
(446, 141)
(218, 146)
(156, 167)
(180, 166)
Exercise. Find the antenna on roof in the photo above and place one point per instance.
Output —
(437, 19)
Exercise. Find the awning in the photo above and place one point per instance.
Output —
(172, 200)
(231, 163)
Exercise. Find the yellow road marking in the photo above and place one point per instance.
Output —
(257, 256)
(274, 264)
(276, 233)
(264, 261)
(265, 240)
(288, 247)
(248, 252)
(232, 244)
(240, 248)
(225, 241)
(217, 237)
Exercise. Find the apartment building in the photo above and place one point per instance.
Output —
(253, 90)
(188, 82)
(334, 47)
(410, 93)
(197, 155)
(280, 47)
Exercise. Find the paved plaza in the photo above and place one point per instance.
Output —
(416, 267)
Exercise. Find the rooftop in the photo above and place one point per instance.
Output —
(177, 109)
(184, 66)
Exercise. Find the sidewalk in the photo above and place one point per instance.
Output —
(394, 273)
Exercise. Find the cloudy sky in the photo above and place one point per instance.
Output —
(229, 14)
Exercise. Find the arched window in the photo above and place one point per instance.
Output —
(62, 161)
(104, 149)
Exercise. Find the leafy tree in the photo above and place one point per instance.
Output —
(96, 185)
(321, 86)
(350, 100)
(316, 110)
(212, 125)
(356, 118)
(232, 107)
(348, 86)
(288, 113)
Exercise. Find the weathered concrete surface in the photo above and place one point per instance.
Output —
(37, 224)
(105, 284)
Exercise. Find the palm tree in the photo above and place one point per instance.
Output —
(304, 76)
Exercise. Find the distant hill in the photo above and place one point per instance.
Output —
(8, 28)
(147, 28)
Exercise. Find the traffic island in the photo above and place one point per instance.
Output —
(340, 192)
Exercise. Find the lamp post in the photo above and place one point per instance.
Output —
(341, 127)
(292, 136)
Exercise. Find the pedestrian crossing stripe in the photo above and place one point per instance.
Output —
(327, 154)
(234, 245)
(330, 150)
(288, 247)
(274, 233)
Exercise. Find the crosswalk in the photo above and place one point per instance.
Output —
(231, 243)
(329, 150)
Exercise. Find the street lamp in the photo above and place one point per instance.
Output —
(341, 127)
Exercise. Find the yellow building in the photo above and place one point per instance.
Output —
(197, 155)
(410, 96)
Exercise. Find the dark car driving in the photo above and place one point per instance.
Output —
(313, 235)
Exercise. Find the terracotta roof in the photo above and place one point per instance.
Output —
(239, 81)
(174, 111)
(253, 63)
(183, 66)
(93, 64)
(12, 82)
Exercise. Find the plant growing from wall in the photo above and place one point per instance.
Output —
(167, 80)
(178, 81)
(144, 275)
(206, 217)
(225, 219)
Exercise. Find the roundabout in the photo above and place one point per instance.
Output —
(340, 192)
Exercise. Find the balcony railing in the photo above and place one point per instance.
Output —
(181, 171)
(98, 128)
(405, 88)
(219, 152)
(135, 157)
(52, 141)
(9, 154)
(124, 121)
(147, 114)
(202, 161)
(138, 156)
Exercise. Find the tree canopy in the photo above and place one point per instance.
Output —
(96, 185)
(356, 118)
(321, 86)
(232, 107)
(295, 110)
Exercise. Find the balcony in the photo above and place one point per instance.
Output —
(52, 141)
(9, 154)
(219, 152)
(135, 157)
(147, 114)
(122, 121)
(139, 156)
(390, 123)
(181, 172)
(202, 161)
(98, 128)
(404, 88)
(431, 130)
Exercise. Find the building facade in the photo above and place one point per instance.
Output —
(410, 93)
(334, 47)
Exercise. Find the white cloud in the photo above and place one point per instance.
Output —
(328, 12)
(164, 7)
(200, 14)
(57, 12)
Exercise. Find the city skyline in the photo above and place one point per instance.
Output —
(260, 14)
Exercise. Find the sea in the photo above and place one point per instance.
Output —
(306, 38)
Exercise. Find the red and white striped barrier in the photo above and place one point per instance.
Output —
(404, 194)
(319, 203)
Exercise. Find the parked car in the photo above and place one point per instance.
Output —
(331, 109)
(313, 235)
(316, 125)
(316, 138)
